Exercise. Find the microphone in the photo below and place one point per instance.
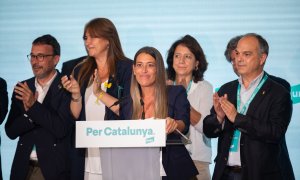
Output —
(143, 112)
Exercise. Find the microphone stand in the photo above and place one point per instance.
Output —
(188, 141)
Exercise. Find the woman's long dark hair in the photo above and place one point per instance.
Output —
(192, 44)
(104, 28)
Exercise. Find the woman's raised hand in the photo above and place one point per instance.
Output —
(71, 85)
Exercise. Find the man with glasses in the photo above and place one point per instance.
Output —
(40, 117)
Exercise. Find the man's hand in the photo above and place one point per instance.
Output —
(26, 95)
(228, 108)
(218, 108)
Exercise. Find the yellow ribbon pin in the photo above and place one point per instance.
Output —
(107, 85)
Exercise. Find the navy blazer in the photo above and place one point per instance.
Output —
(47, 126)
(175, 158)
(119, 89)
(262, 145)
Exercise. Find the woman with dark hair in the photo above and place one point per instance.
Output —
(151, 98)
(97, 83)
(186, 67)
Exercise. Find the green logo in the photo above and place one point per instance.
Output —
(295, 94)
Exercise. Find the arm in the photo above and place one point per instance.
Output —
(18, 122)
(212, 128)
(103, 96)
(122, 83)
(54, 114)
(181, 108)
(72, 86)
(212, 124)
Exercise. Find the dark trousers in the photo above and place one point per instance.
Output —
(232, 173)
(34, 172)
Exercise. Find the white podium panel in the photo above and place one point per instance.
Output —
(121, 133)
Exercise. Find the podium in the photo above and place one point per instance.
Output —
(129, 149)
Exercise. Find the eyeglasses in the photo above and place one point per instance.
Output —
(39, 57)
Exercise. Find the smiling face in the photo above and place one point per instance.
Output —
(95, 46)
(45, 68)
(184, 61)
(145, 70)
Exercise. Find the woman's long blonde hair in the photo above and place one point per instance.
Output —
(104, 28)
(160, 99)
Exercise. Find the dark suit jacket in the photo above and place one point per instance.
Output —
(119, 89)
(68, 66)
(47, 126)
(263, 129)
(3, 100)
(175, 158)
(3, 108)
(282, 82)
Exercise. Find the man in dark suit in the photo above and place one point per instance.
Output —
(68, 66)
(250, 117)
(3, 108)
(40, 118)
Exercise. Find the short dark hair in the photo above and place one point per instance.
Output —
(48, 40)
(231, 46)
(192, 44)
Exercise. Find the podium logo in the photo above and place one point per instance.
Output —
(149, 140)
(295, 94)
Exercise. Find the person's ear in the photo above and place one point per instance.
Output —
(263, 58)
(56, 59)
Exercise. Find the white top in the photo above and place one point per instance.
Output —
(93, 112)
(200, 97)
